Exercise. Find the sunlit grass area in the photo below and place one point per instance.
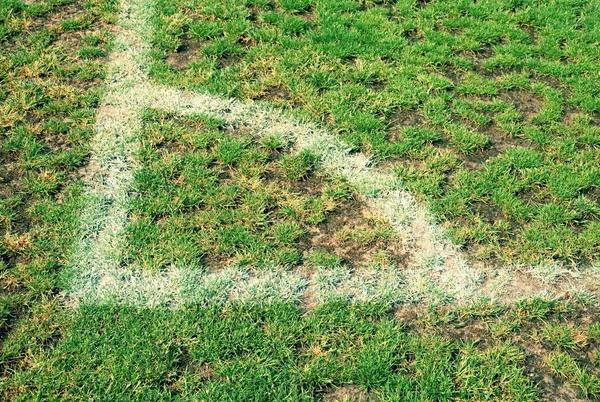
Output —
(336, 352)
(209, 195)
(487, 110)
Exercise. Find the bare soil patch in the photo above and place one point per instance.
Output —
(353, 216)
(402, 119)
(347, 393)
(186, 53)
(526, 102)
(275, 94)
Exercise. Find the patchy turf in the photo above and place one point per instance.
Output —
(467, 103)
(100, 271)
(209, 195)
(488, 110)
(52, 57)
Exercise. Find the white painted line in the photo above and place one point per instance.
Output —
(99, 274)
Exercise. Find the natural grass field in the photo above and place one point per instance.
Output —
(338, 352)
(52, 57)
(488, 112)
(213, 197)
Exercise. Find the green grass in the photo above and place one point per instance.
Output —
(488, 110)
(279, 352)
(210, 196)
(49, 89)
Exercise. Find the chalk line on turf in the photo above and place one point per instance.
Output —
(98, 273)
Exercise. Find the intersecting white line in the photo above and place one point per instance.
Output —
(98, 274)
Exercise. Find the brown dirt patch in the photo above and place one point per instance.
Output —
(50, 21)
(451, 72)
(409, 313)
(348, 393)
(309, 300)
(188, 367)
(549, 386)
(352, 215)
(229, 60)
(477, 56)
(275, 94)
(555, 83)
(499, 143)
(489, 212)
(477, 330)
(593, 193)
(58, 86)
(412, 35)
(186, 53)
(525, 102)
(573, 114)
(402, 119)
(60, 13)
(9, 173)
(334, 235)
(310, 185)
(570, 116)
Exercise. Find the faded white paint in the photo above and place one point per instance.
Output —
(98, 273)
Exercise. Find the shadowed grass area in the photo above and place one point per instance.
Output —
(278, 352)
(488, 110)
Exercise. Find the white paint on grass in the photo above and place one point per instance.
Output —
(381, 190)
(99, 273)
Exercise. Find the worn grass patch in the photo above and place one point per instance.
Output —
(209, 195)
(489, 110)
